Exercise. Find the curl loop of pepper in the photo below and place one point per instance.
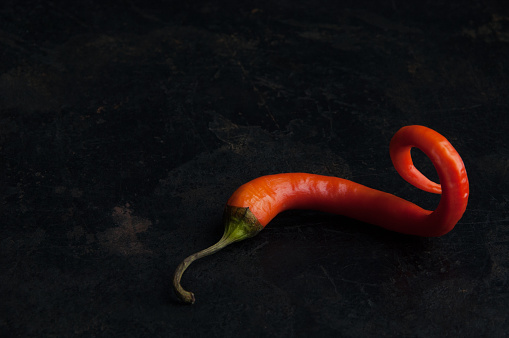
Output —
(254, 204)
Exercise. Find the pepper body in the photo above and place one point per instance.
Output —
(253, 205)
(267, 196)
(272, 194)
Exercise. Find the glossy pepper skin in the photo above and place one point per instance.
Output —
(267, 196)
(253, 205)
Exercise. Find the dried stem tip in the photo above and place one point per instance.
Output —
(240, 223)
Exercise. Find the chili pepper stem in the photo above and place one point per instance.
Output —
(186, 296)
(240, 223)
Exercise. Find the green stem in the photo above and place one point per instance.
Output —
(186, 296)
(240, 223)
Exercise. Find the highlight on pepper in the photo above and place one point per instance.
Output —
(253, 205)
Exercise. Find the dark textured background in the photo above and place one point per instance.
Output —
(126, 125)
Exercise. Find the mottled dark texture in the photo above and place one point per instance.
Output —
(126, 125)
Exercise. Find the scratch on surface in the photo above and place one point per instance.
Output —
(258, 247)
(245, 74)
(330, 279)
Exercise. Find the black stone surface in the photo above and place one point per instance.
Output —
(126, 125)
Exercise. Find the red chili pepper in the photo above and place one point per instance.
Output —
(256, 203)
